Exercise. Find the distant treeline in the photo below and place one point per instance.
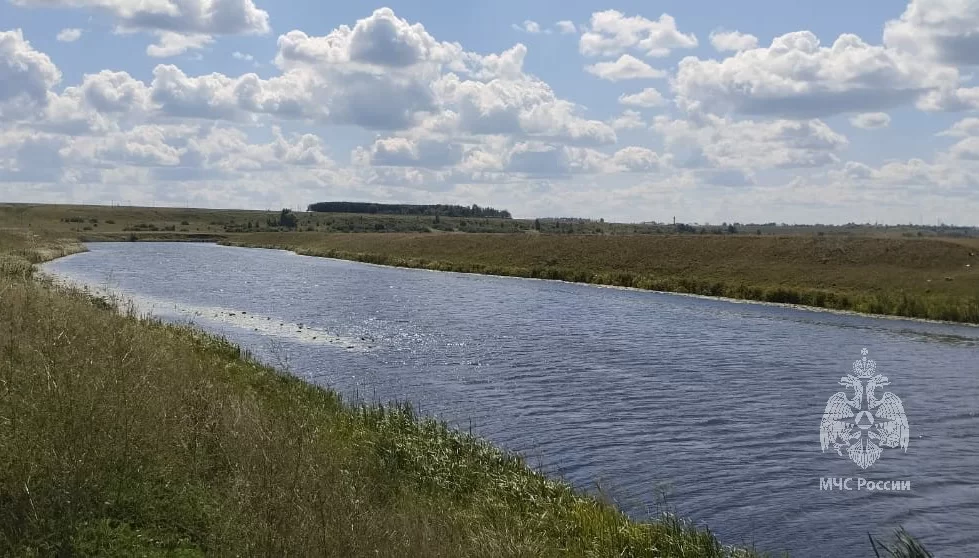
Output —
(408, 209)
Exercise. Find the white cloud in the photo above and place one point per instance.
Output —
(628, 120)
(639, 159)
(219, 97)
(542, 160)
(962, 128)
(405, 152)
(966, 149)
(115, 92)
(178, 24)
(796, 77)
(626, 67)
(171, 44)
(732, 41)
(209, 17)
(566, 27)
(647, 98)
(528, 26)
(713, 141)
(525, 107)
(871, 120)
(950, 98)
(26, 75)
(611, 33)
(459, 126)
(943, 30)
(69, 35)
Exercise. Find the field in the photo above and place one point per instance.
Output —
(920, 272)
(925, 278)
(95, 221)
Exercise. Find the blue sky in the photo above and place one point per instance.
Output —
(710, 111)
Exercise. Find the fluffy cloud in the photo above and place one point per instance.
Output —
(476, 127)
(626, 67)
(208, 17)
(170, 152)
(219, 97)
(950, 98)
(871, 120)
(528, 26)
(405, 152)
(517, 107)
(965, 150)
(796, 77)
(29, 156)
(566, 27)
(171, 44)
(943, 30)
(115, 92)
(179, 25)
(26, 75)
(963, 128)
(628, 120)
(647, 98)
(638, 159)
(69, 35)
(750, 145)
(382, 40)
(732, 41)
(611, 33)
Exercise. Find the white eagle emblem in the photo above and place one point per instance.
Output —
(863, 425)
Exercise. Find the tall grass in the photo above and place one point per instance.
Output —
(121, 436)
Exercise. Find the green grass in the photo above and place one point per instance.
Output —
(101, 222)
(120, 437)
(921, 278)
(876, 270)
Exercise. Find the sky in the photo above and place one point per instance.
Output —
(709, 112)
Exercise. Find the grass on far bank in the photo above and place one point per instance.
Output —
(120, 437)
(921, 278)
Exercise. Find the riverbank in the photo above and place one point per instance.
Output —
(896, 271)
(123, 436)
(934, 279)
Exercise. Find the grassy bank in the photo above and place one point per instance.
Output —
(922, 278)
(121, 437)
(901, 271)
(124, 437)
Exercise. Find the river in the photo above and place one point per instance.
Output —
(709, 407)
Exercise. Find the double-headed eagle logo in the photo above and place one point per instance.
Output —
(863, 425)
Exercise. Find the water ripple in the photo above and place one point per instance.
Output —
(711, 405)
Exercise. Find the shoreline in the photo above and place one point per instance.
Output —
(789, 305)
(464, 491)
(733, 300)
(466, 486)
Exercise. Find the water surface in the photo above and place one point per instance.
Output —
(713, 405)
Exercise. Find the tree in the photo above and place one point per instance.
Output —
(536, 224)
(288, 219)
